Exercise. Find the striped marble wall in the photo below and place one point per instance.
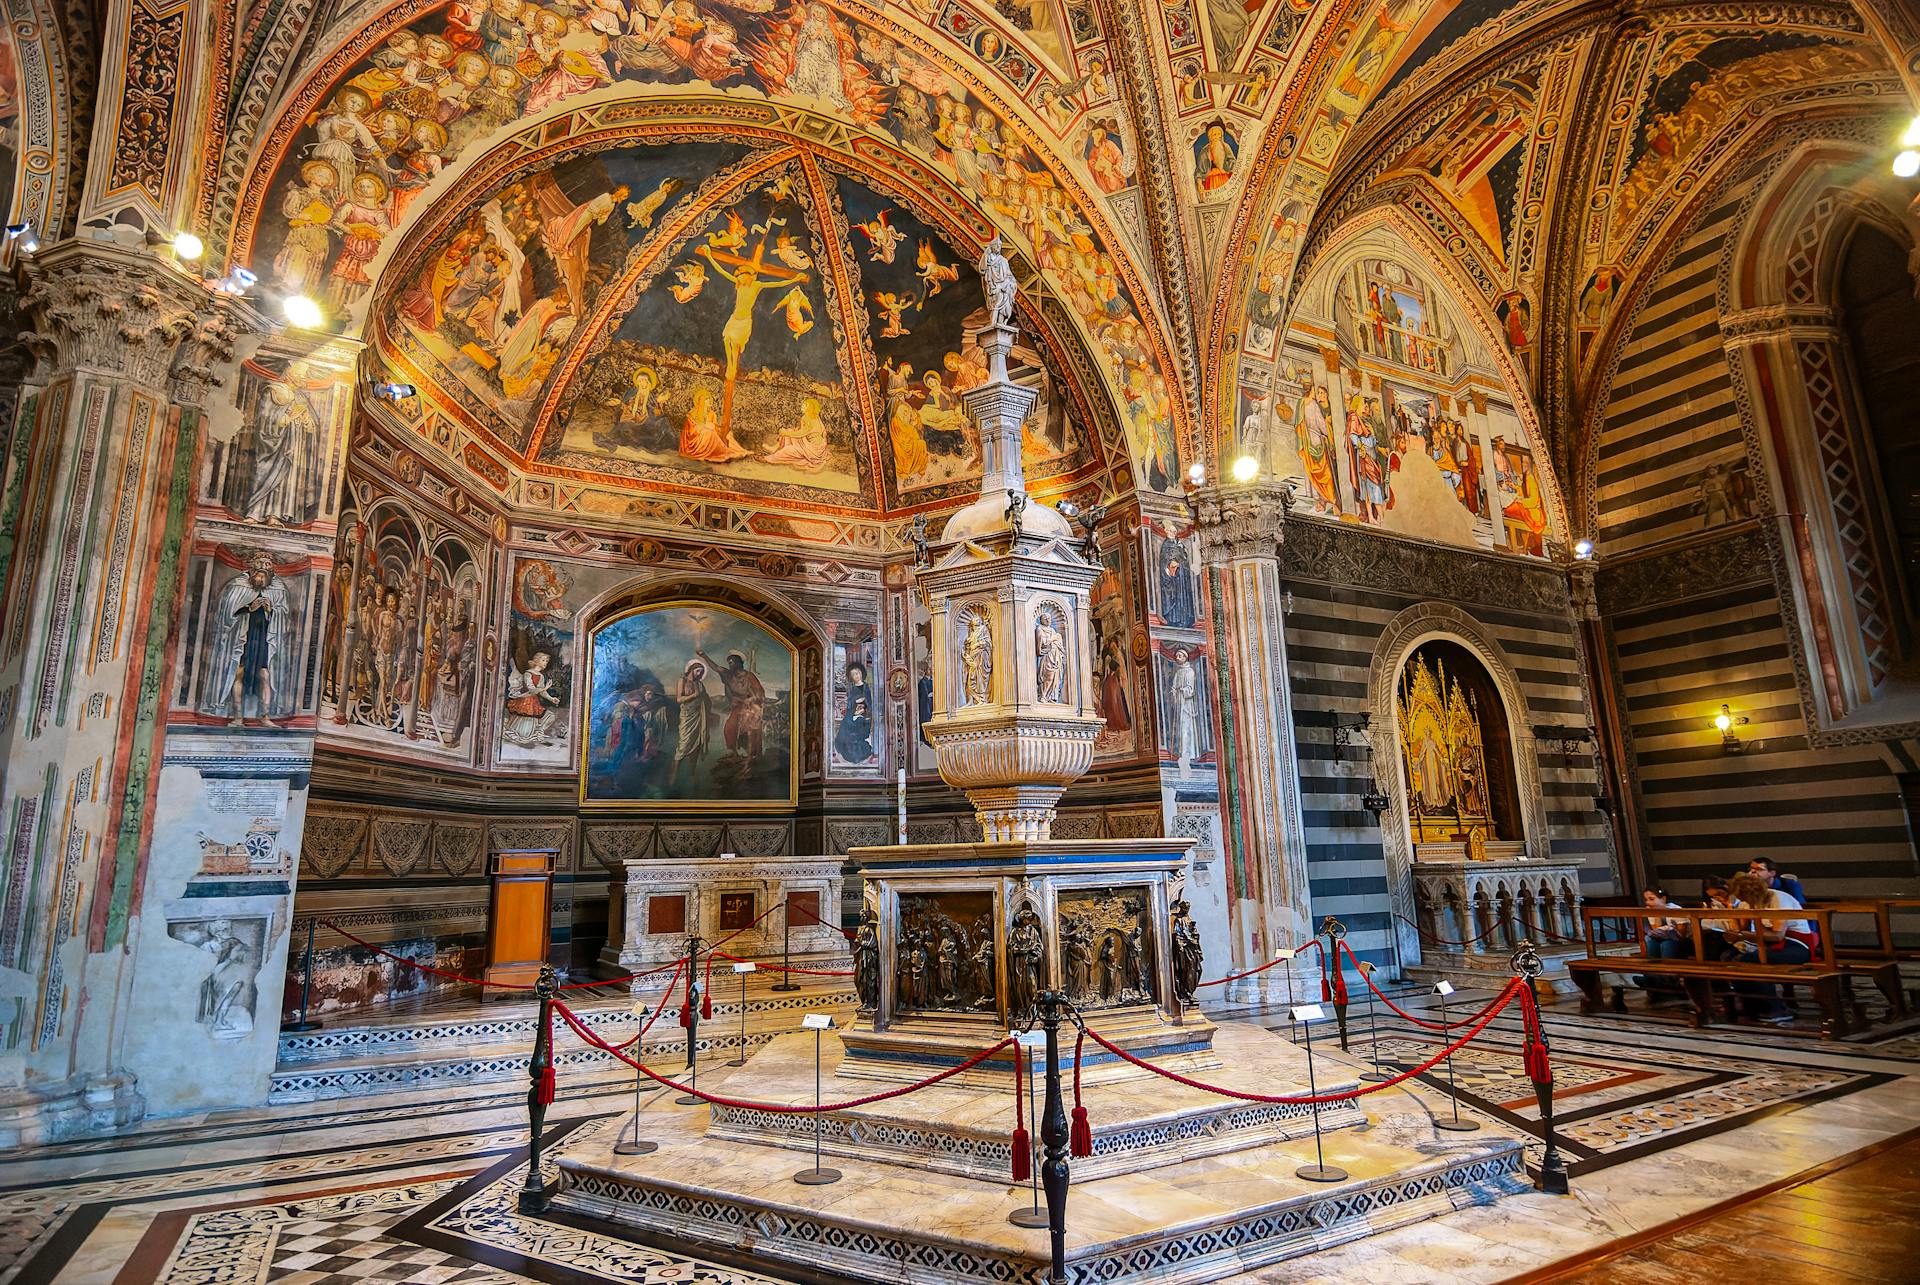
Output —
(1699, 626)
(1345, 587)
(1670, 445)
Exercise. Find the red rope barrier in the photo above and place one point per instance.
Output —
(1234, 977)
(658, 1008)
(1493, 1011)
(823, 923)
(1421, 1022)
(481, 981)
(587, 1036)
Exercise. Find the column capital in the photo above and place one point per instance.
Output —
(1241, 521)
(124, 312)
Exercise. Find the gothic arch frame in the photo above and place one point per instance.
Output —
(1421, 623)
(1794, 386)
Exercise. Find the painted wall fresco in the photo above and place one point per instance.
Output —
(858, 739)
(247, 654)
(690, 705)
(408, 632)
(538, 697)
(431, 92)
(1116, 686)
(9, 123)
(1181, 667)
(1389, 412)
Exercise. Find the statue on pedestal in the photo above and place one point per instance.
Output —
(1186, 953)
(996, 278)
(1024, 949)
(866, 962)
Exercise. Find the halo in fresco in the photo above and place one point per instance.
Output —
(689, 705)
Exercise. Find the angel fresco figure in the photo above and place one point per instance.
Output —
(996, 279)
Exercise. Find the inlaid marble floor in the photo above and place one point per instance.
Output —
(1659, 1121)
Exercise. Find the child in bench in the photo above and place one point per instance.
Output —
(1772, 941)
(1665, 939)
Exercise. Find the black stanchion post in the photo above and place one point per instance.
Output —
(786, 982)
(816, 1176)
(694, 994)
(1319, 1171)
(1032, 1216)
(742, 968)
(1336, 932)
(533, 1192)
(1552, 1178)
(1053, 1138)
(1444, 988)
(1376, 1075)
(305, 1022)
(636, 1145)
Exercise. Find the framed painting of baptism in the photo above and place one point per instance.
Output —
(690, 705)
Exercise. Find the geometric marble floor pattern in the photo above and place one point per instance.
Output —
(1657, 1119)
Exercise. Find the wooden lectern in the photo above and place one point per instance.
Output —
(519, 918)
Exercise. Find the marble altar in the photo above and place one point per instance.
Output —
(667, 899)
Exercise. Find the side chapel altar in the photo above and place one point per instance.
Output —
(956, 944)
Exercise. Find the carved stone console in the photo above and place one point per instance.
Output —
(1489, 906)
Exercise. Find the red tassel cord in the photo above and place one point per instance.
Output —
(1080, 1139)
(1533, 1055)
(546, 1072)
(706, 993)
(1022, 1140)
(1339, 986)
(686, 1004)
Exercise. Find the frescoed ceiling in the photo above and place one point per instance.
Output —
(1162, 174)
(700, 313)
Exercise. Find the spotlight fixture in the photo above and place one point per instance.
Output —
(1197, 474)
(303, 312)
(185, 245)
(390, 391)
(1907, 164)
(21, 237)
(1725, 721)
(1245, 469)
(1583, 550)
(238, 281)
(1912, 137)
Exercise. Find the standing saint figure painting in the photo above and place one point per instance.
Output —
(689, 704)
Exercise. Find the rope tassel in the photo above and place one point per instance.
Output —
(1080, 1138)
(1022, 1140)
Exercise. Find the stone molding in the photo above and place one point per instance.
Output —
(1727, 559)
(1342, 554)
(124, 312)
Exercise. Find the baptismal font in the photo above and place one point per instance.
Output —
(960, 946)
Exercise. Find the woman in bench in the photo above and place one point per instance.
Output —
(1713, 932)
(1771, 941)
(1665, 939)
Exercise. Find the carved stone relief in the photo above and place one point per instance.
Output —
(456, 848)
(943, 959)
(1106, 947)
(400, 844)
(331, 843)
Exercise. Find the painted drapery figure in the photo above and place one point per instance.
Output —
(250, 644)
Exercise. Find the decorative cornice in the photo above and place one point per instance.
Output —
(1727, 559)
(122, 312)
(1344, 554)
(1238, 522)
(1754, 325)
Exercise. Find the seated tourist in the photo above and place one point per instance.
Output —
(1771, 941)
(1663, 939)
(1715, 891)
(1789, 884)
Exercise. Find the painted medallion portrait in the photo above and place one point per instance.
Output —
(689, 705)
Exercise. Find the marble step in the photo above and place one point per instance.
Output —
(493, 1064)
(392, 1036)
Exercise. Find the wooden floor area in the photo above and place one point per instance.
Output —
(1856, 1218)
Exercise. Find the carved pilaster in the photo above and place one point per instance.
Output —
(124, 313)
(1241, 522)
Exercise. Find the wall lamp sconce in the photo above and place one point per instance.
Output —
(388, 391)
(1375, 802)
(1726, 720)
(20, 236)
(1578, 743)
(1344, 728)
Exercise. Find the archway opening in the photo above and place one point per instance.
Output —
(1456, 756)
(1880, 315)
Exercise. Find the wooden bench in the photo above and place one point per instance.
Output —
(1879, 963)
(1825, 975)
